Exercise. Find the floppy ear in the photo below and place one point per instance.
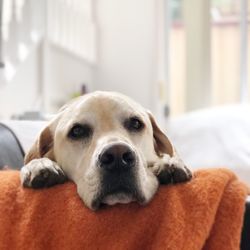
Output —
(162, 144)
(43, 146)
(170, 168)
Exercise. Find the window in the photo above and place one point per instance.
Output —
(208, 53)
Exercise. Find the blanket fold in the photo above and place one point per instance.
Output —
(206, 213)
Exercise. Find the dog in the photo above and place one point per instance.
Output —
(109, 146)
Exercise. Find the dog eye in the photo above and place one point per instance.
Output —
(134, 124)
(79, 131)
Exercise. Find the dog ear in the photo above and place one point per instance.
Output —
(43, 146)
(172, 169)
(162, 144)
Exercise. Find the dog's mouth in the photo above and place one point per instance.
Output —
(119, 197)
(119, 190)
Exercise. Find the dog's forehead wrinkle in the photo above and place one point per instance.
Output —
(102, 107)
(103, 96)
(109, 100)
(106, 118)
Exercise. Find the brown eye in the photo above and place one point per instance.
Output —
(134, 124)
(79, 131)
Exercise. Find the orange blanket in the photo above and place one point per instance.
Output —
(206, 213)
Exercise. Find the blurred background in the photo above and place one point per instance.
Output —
(172, 56)
(188, 61)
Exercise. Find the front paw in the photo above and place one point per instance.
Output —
(172, 174)
(40, 173)
(171, 171)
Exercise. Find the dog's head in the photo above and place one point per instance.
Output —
(107, 144)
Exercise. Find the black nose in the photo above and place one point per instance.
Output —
(117, 157)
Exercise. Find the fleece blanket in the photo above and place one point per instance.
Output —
(206, 213)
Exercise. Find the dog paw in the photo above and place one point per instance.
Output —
(172, 174)
(40, 173)
(171, 170)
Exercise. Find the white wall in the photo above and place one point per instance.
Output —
(45, 81)
(127, 48)
(63, 75)
(22, 92)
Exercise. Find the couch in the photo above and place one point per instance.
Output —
(212, 130)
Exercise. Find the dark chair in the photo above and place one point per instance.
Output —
(11, 151)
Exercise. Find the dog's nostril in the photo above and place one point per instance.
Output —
(107, 159)
(128, 158)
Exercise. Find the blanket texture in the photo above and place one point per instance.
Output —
(206, 213)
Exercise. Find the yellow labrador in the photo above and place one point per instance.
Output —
(107, 144)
